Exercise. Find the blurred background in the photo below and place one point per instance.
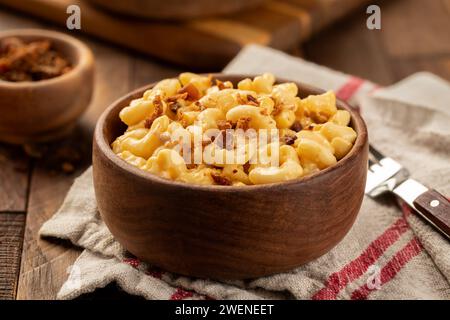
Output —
(136, 42)
(139, 41)
(205, 34)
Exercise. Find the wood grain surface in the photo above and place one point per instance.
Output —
(404, 45)
(175, 9)
(31, 185)
(436, 208)
(14, 174)
(11, 235)
(382, 56)
(207, 43)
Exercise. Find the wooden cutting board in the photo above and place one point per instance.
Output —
(204, 43)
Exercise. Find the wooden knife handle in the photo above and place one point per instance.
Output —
(436, 208)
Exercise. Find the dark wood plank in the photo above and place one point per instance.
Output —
(204, 43)
(11, 235)
(415, 28)
(352, 49)
(113, 71)
(439, 65)
(406, 43)
(412, 45)
(144, 72)
(14, 171)
(44, 263)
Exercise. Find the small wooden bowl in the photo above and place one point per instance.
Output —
(175, 9)
(226, 232)
(48, 109)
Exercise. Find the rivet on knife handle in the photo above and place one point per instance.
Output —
(436, 208)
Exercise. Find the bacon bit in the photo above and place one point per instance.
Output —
(220, 84)
(223, 125)
(220, 179)
(191, 166)
(243, 123)
(224, 85)
(320, 117)
(173, 102)
(199, 106)
(224, 140)
(67, 167)
(310, 127)
(235, 171)
(148, 123)
(289, 140)
(240, 100)
(246, 167)
(174, 106)
(33, 61)
(277, 109)
(297, 126)
(251, 100)
(157, 102)
(192, 92)
(181, 96)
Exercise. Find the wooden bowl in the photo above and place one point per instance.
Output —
(48, 109)
(175, 9)
(226, 232)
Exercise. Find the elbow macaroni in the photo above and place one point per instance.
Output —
(311, 133)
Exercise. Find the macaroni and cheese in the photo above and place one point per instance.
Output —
(200, 130)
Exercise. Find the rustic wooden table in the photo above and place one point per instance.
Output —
(33, 184)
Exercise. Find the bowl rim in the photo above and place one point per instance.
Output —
(100, 140)
(85, 56)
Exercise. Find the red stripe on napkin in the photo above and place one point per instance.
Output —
(132, 262)
(181, 294)
(353, 270)
(349, 88)
(390, 270)
(356, 268)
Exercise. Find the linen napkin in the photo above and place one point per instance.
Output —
(388, 254)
